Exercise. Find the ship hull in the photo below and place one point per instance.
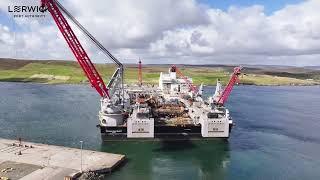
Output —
(191, 132)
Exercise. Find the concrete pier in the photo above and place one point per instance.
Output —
(28, 160)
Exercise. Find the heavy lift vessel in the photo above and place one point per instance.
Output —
(175, 109)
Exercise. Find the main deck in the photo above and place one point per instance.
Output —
(175, 109)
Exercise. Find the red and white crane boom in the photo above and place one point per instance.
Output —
(55, 8)
(233, 80)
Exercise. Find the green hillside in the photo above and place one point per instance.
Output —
(55, 72)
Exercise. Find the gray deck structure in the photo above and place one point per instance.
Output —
(43, 161)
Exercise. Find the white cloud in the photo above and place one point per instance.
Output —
(248, 32)
(175, 32)
(5, 39)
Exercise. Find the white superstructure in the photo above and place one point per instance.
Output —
(140, 124)
(215, 120)
(217, 94)
(113, 109)
(111, 113)
(169, 83)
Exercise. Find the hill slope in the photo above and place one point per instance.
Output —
(53, 72)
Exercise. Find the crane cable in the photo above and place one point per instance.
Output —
(91, 37)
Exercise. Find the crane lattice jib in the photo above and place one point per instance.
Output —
(233, 80)
(76, 48)
(192, 87)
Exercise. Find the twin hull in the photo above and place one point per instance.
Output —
(147, 129)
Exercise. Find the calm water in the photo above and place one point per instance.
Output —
(277, 133)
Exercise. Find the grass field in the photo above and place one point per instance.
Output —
(55, 72)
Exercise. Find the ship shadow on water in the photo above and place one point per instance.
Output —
(166, 145)
(187, 159)
(207, 159)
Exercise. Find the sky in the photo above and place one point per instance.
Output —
(265, 32)
(269, 5)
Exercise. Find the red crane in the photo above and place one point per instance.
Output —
(83, 59)
(140, 73)
(233, 80)
(192, 87)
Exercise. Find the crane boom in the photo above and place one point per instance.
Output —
(233, 80)
(82, 57)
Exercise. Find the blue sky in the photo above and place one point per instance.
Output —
(269, 5)
(4, 19)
